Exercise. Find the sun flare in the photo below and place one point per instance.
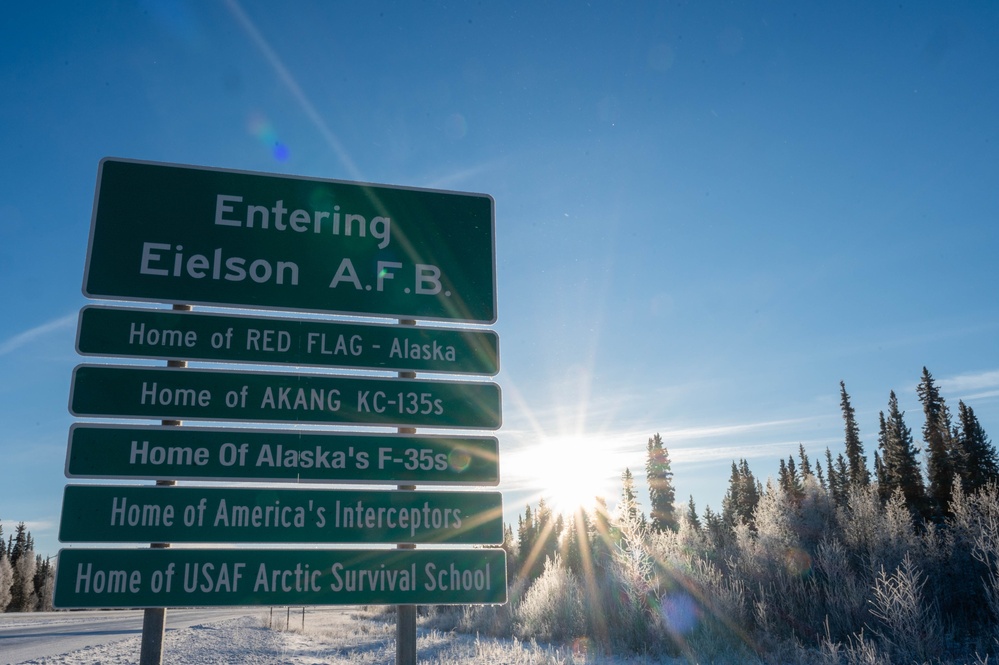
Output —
(570, 472)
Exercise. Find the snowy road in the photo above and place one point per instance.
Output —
(31, 636)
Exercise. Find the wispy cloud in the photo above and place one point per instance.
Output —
(713, 431)
(988, 394)
(454, 178)
(970, 383)
(28, 336)
(736, 452)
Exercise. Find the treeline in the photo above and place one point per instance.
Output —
(26, 579)
(828, 562)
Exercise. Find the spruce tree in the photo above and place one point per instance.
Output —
(692, 519)
(527, 535)
(547, 537)
(805, 466)
(628, 510)
(743, 494)
(981, 465)
(860, 476)
(603, 536)
(821, 476)
(880, 474)
(733, 498)
(751, 491)
(795, 483)
(716, 527)
(898, 458)
(575, 546)
(843, 472)
(937, 438)
(836, 482)
(662, 495)
(783, 481)
(22, 560)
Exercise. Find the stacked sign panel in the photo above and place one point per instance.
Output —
(184, 235)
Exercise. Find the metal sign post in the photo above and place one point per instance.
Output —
(154, 618)
(405, 615)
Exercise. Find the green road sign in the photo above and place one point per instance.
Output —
(149, 513)
(181, 234)
(198, 394)
(231, 453)
(122, 578)
(169, 334)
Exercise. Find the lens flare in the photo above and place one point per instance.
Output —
(261, 128)
(680, 612)
(459, 460)
(798, 562)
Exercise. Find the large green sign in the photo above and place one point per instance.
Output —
(197, 394)
(149, 513)
(121, 578)
(238, 453)
(169, 334)
(168, 233)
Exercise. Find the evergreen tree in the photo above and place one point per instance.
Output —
(22, 559)
(628, 510)
(783, 481)
(751, 491)
(837, 483)
(795, 487)
(980, 465)
(879, 471)
(692, 519)
(716, 528)
(509, 546)
(821, 476)
(937, 437)
(527, 535)
(19, 546)
(548, 531)
(843, 473)
(603, 536)
(44, 584)
(859, 474)
(732, 500)
(662, 495)
(804, 465)
(900, 466)
(576, 543)
(739, 502)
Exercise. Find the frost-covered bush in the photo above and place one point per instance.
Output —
(909, 627)
(552, 608)
(846, 597)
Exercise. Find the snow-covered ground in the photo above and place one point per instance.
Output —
(329, 637)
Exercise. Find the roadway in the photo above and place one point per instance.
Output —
(36, 635)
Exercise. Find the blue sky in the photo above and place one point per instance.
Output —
(707, 214)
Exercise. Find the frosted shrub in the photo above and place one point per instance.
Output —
(628, 612)
(845, 597)
(816, 516)
(6, 581)
(552, 608)
(877, 535)
(909, 628)
(774, 519)
(985, 547)
(694, 605)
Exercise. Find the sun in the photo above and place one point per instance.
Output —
(571, 471)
